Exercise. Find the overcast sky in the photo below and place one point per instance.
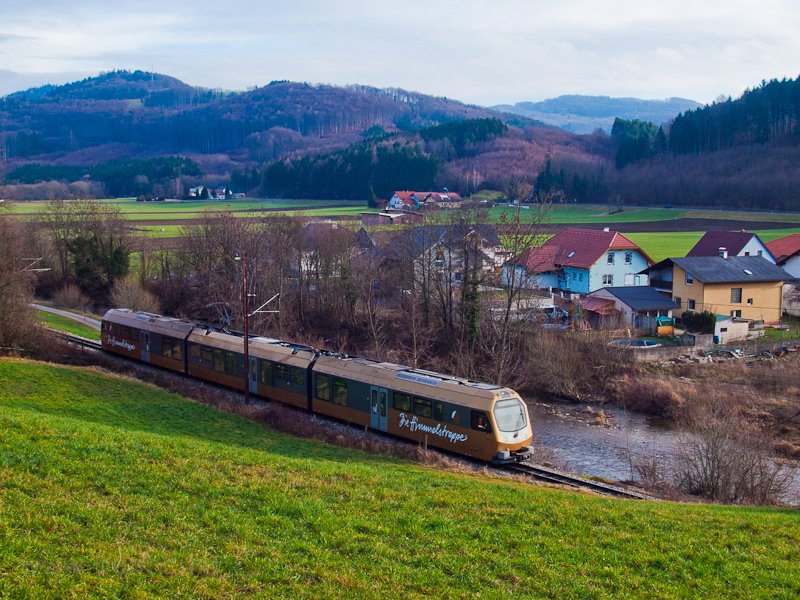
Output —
(483, 52)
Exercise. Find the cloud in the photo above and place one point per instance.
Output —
(505, 51)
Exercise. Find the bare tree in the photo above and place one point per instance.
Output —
(522, 229)
(16, 284)
(725, 456)
(129, 293)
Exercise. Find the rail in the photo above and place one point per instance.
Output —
(553, 476)
(80, 341)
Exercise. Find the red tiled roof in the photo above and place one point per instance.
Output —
(582, 248)
(784, 247)
(712, 241)
(538, 259)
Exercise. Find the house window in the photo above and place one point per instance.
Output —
(736, 313)
(608, 280)
(747, 254)
(611, 258)
(750, 301)
(689, 279)
(761, 253)
(628, 258)
(690, 304)
(677, 300)
(736, 295)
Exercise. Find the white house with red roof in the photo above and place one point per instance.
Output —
(579, 261)
(786, 251)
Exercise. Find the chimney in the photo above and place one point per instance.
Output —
(723, 252)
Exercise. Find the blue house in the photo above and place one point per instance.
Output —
(580, 261)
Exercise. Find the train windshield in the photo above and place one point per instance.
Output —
(510, 415)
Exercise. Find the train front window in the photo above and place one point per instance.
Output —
(510, 415)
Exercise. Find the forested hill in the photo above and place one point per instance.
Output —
(146, 113)
(739, 153)
(767, 113)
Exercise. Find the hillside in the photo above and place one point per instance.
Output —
(147, 113)
(111, 487)
(585, 114)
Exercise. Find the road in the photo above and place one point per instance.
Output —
(88, 321)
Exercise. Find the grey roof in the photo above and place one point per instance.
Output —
(642, 297)
(734, 269)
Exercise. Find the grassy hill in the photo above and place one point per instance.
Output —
(111, 487)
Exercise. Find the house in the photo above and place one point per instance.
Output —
(391, 217)
(637, 306)
(579, 261)
(786, 251)
(748, 287)
(406, 200)
(534, 269)
(445, 252)
(734, 243)
(442, 200)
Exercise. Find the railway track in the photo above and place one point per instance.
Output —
(535, 471)
(83, 342)
(553, 476)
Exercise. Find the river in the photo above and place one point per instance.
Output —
(597, 441)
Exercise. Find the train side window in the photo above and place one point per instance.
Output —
(480, 421)
(230, 363)
(219, 360)
(402, 401)
(207, 356)
(194, 351)
(297, 375)
(281, 373)
(322, 387)
(438, 411)
(422, 407)
(339, 391)
(265, 372)
(171, 348)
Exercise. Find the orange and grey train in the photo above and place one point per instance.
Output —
(478, 420)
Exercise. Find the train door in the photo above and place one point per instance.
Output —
(146, 346)
(379, 408)
(253, 375)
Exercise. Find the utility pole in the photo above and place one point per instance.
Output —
(243, 258)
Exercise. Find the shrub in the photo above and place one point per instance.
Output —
(70, 296)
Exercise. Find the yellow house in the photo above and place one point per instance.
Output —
(749, 287)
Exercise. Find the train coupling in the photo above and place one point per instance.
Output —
(503, 457)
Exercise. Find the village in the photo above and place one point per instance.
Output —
(598, 279)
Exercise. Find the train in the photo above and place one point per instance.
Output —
(479, 420)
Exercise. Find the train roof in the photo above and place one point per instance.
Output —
(430, 384)
(151, 322)
(258, 347)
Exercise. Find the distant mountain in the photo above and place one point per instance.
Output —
(585, 114)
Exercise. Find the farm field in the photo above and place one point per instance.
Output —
(191, 210)
(666, 244)
(110, 487)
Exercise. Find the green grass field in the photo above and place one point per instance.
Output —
(67, 325)
(109, 487)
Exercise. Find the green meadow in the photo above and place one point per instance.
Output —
(67, 325)
(110, 487)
